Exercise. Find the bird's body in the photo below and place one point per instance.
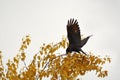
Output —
(74, 37)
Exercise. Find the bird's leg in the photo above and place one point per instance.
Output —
(83, 51)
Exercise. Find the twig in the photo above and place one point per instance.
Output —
(25, 65)
(52, 59)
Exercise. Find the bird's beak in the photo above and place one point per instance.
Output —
(90, 35)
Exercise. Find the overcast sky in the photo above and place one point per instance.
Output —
(45, 21)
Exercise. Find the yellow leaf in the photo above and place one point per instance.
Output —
(38, 57)
(42, 63)
(23, 56)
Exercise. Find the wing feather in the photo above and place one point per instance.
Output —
(73, 32)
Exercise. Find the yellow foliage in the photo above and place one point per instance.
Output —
(47, 63)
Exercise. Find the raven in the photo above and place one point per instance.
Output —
(74, 37)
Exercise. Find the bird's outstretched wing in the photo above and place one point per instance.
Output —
(73, 32)
(84, 41)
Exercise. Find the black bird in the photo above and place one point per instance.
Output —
(74, 37)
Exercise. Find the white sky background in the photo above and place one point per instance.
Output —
(45, 21)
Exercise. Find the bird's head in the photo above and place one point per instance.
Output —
(68, 50)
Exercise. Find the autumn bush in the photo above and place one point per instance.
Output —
(46, 63)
